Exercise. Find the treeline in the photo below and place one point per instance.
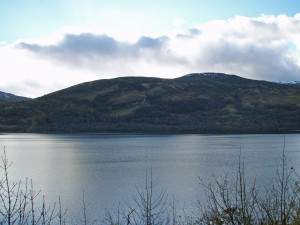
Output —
(168, 119)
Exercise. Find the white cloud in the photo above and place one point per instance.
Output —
(178, 22)
(22, 73)
(266, 47)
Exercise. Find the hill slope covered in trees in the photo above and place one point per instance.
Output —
(195, 103)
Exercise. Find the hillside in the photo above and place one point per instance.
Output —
(195, 103)
(11, 97)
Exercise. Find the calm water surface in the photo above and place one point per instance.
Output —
(108, 167)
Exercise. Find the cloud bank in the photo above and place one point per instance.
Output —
(96, 51)
(265, 48)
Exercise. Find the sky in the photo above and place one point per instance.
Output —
(46, 46)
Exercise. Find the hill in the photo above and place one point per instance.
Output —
(195, 103)
(11, 97)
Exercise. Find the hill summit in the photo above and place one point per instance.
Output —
(194, 103)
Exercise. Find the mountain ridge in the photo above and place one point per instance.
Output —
(194, 103)
(11, 97)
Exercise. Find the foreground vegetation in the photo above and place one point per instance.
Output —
(235, 202)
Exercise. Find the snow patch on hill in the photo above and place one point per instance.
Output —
(206, 74)
(10, 97)
(297, 83)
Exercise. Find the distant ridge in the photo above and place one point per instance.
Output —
(206, 74)
(11, 97)
(296, 83)
(194, 103)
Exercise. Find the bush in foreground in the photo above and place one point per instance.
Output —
(238, 203)
(18, 202)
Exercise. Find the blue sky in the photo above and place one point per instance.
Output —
(48, 45)
(23, 19)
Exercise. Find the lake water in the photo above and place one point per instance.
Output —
(108, 167)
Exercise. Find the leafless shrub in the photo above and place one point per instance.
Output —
(238, 203)
(150, 208)
(17, 204)
(118, 216)
(281, 203)
(229, 203)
